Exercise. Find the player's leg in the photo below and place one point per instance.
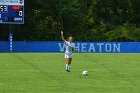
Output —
(69, 63)
(70, 60)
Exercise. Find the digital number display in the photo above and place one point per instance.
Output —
(3, 9)
(17, 7)
(11, 11)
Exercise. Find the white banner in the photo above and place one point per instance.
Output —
(12, 2)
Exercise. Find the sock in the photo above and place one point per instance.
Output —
(66, 66)
(69, 67)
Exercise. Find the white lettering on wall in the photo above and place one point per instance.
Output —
(100, 46)
(61, 46)
(91, 48)
(83, 47)
(94, 47)
(108, 47)
(77, 46)
(117, 47)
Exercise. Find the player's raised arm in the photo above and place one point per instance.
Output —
(62, 36)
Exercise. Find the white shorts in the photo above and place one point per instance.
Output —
(68, 55)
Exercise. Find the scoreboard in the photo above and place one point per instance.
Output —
(11, 11)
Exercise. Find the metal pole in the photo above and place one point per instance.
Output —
(10, 40)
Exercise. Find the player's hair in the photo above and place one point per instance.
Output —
(69, 38)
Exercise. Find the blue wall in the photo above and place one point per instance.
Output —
(98, 47)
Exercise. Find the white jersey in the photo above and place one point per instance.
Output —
(69, 48)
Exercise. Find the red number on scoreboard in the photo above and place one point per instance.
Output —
(16, 7)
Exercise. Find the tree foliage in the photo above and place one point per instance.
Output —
(85, 20)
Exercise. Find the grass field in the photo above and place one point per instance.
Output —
(45, 73)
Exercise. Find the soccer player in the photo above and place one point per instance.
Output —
(69, 50)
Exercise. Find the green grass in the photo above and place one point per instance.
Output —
(45, 73)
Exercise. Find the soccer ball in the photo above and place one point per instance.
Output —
(85, 73)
